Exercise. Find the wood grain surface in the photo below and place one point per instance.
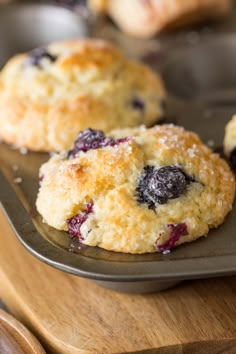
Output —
(69, 314)
(15, 338)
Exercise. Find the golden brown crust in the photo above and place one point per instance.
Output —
(90, 84)
(109, 177)
(144, 18)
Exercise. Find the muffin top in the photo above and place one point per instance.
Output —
(136, 190)
(50, 94)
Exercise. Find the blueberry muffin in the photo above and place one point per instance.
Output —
(50, 94)
(230, 142)
(136, 190)
(145, 18)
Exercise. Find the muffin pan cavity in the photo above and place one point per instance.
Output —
(204, 72)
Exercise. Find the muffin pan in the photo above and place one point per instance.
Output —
(201, 100)
(205, 72)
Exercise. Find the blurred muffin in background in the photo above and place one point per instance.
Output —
(50, 94)
(230, 142)
(145, 18)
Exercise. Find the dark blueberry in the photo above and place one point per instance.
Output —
(137, 103)
(74, 224)
(176, 231)
(91, 139)
(158, 185)
(36, 55)
(232, 159)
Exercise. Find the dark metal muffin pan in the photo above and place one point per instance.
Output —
(201, 101)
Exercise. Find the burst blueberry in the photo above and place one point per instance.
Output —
(176, 232)
(158, 185)
(37, 55)
(74, 224)
(91, 139)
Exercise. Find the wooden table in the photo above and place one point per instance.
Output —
(69, 314)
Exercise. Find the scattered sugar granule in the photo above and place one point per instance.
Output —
(166, 252)
(163, 140)
(143, 128)
(17, 180)
(191, 152)
(211, 143)
(23, 150)
(14, 167)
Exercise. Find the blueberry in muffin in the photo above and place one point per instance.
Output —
(37, 55)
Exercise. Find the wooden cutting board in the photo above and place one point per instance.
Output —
(69, 314)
